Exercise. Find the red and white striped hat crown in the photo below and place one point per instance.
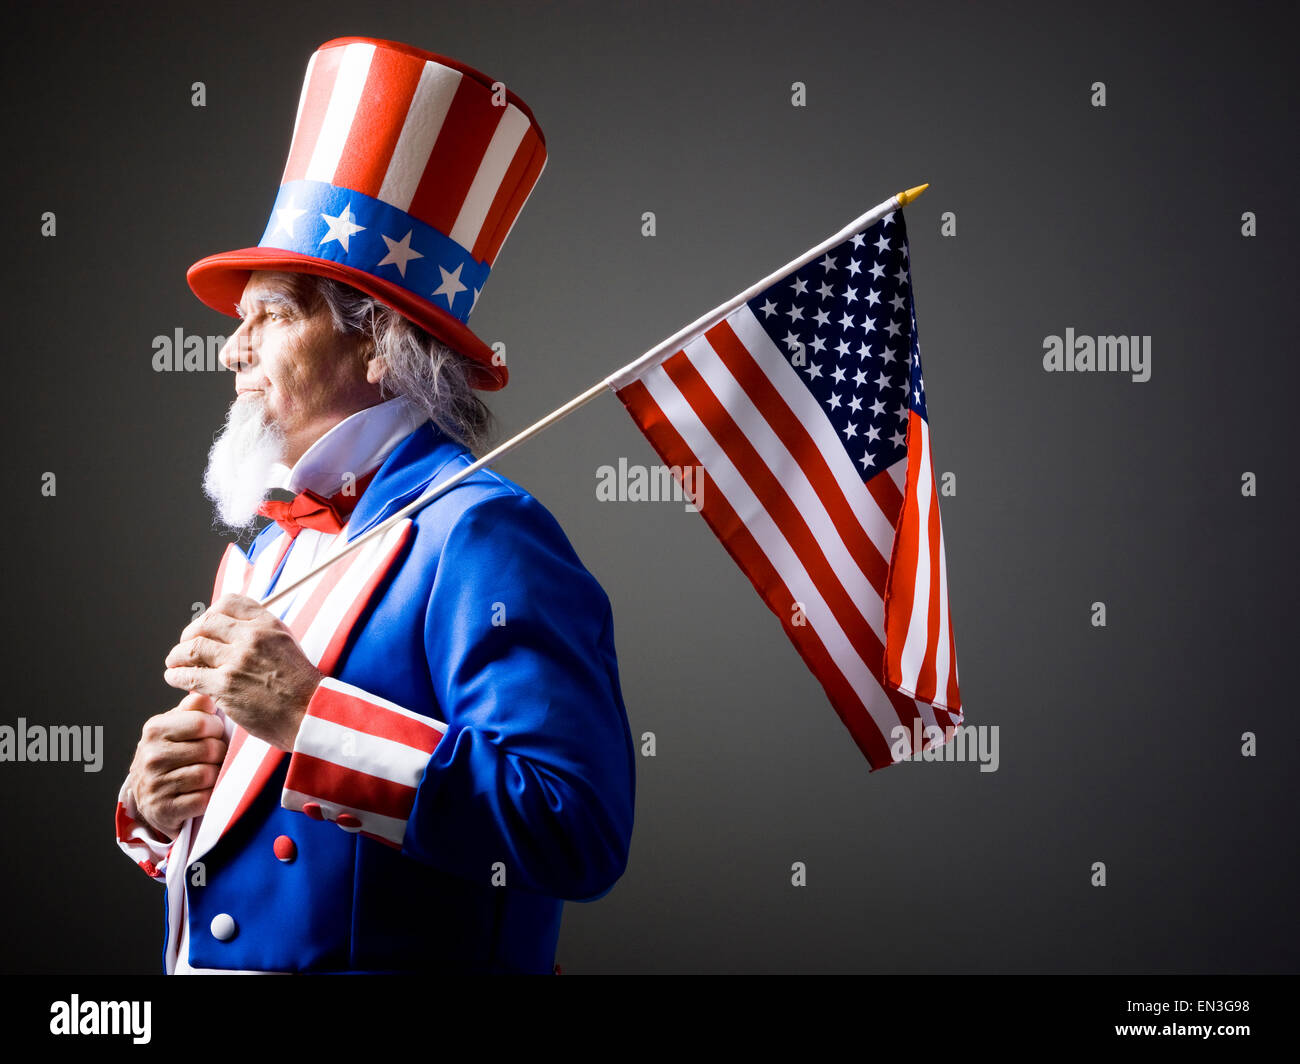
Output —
(406, 173)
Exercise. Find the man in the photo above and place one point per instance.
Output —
(411, 762)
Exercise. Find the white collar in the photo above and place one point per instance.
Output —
(356, 445)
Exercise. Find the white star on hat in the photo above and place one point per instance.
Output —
(286, 216)
(451, 286)
(400, 253)
(341, 226)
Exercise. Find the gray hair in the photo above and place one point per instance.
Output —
(415, 364)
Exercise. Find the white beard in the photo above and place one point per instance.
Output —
(239, 464)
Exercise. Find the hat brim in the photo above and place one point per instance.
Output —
(219, 280)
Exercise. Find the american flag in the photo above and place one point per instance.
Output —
(802, 418)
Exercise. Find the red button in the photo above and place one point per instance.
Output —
(312, 809)
(347, 820)
(285, 848)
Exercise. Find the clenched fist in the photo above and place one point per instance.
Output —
(247, 661)
(176, 764)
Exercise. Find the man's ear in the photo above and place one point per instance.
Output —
(374, 364)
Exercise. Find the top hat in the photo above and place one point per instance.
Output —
(405, 175)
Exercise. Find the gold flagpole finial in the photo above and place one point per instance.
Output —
(904, 198)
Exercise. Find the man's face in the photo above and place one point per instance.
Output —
(287, 352)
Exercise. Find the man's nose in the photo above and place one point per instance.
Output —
(237, 352)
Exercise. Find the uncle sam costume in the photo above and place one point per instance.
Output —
(466, 765)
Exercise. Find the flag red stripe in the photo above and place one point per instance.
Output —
(348, 786)
(320, 85)
(740, 544)
(456, 156)
(887, 496)
(359, 715)
(510, 197)
(125, 825)
(791, 431)
(377, 124)
(236, 741)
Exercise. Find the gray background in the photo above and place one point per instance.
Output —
(1118, 744)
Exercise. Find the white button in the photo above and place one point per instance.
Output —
(223, 927)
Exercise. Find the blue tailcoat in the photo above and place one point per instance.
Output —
(489, 622)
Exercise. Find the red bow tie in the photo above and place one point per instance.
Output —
(307, 509)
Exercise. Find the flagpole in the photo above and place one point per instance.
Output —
(614, 381)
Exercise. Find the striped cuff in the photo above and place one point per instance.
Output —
(136, 841)
(358, 760)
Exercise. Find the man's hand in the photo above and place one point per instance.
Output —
(176, 764)
(248, 662)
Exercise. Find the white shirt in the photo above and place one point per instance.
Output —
(351, 449)
(354, 447)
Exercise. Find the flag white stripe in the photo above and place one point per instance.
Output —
(792, 478)
(914, 646)
(264, 567)
(175, 889)
(344, 98)
(727, 479)
(806, 408)
(234, 571)
(302, 97)
(501, 149)
(429, 106)
(358, 751)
